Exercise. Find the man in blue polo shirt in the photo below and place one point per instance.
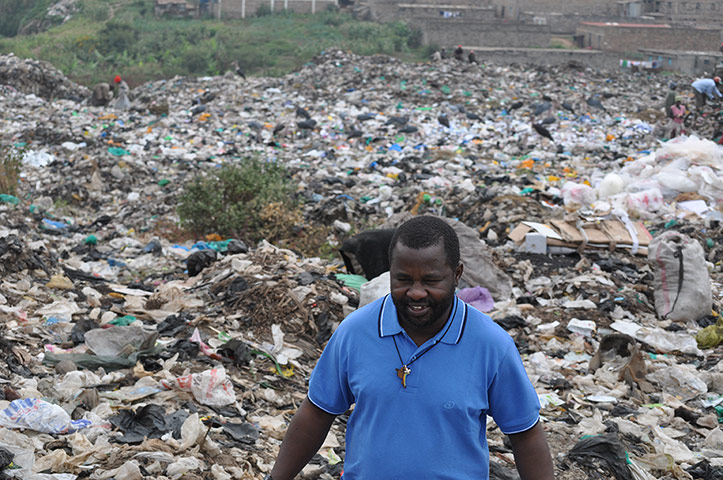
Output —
(423, 371)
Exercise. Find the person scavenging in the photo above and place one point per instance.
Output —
(459, 53)
(706, 89)
(423, 370)
(122, 101)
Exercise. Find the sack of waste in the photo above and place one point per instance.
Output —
(681, 283)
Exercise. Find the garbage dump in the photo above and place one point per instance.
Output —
(130, 349)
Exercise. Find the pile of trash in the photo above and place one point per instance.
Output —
(39, 78)
(131, 351)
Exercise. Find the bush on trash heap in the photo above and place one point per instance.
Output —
(230, 201)
(9, 170)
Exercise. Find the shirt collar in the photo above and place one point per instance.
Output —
(388, 322)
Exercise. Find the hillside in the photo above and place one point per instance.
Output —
(93, 40)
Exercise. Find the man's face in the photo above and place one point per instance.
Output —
(422, 285)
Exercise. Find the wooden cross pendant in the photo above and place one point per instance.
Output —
(402, 373)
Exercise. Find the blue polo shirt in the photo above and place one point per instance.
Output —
(436, 427)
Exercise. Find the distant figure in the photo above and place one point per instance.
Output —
(238, 70)
(705, 89)
(675, 127)
(436, 57)
(459, 53)
(101, 95)
(472, 58)
(721, 48)
(122, 101)
(670, 100)
(443, 54)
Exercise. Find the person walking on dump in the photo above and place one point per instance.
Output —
(423, 370)
(472, 58)
(705, 89)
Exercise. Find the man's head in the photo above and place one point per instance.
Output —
(426, 231)
(716, 80)
(424, 272)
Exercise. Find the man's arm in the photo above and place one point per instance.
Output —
(305, 434)
(532, 455)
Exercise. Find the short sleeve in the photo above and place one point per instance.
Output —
(329, 382)
(514, 404)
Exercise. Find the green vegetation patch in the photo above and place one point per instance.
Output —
(107, 37)
(232, 200)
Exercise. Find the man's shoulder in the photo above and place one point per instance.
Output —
(481, 327)
(363, 318)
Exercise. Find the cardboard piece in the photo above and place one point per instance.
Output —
(603, 234)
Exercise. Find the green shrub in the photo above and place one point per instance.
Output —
(230, 200)
(263, 10)
(117, 37)
(415, 38)
(195, 59)
(10, 161)
(95, 11)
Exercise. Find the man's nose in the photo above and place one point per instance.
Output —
(417, 291)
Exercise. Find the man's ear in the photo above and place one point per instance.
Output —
(458, 273)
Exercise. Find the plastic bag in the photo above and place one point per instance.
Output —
(209, 388)
(611, 185)
(577, 194)
(40, 416)
(681, 284)
(645, 201)
(478, 297)
(374, 289)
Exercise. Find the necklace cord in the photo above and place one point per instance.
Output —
(434, 344)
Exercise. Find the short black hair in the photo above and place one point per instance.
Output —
(426, 231)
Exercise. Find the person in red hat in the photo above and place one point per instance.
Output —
(121, 93)
(459, 53)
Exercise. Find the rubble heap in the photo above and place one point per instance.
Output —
(39, 78)
(133, 353)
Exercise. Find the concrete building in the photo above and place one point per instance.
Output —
(700, 63)
(175, 8)
(627, 37)
(249, 8)
(690, 12)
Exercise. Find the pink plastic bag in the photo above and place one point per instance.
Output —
(478, 297)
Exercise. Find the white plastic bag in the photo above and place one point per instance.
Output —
(646, 201)
(577, 194)
(211, 387)
(40, 416)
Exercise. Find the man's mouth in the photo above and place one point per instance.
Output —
(418, 309)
